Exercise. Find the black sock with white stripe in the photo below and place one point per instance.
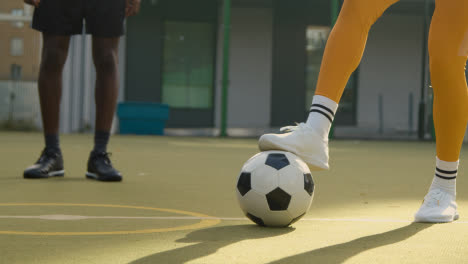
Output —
(322, 113)
(445, 176)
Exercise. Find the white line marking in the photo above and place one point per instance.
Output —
(367, 220)
(81, 217)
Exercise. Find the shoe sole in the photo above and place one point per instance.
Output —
(313, 165)
(435, 220)
(94, 176)
(60, 173)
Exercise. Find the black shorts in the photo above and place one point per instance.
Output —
(103, 18)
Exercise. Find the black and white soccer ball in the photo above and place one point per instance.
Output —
(275, 188)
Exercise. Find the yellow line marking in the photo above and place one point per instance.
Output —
(205, 220)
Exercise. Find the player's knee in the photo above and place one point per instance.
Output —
(445, 63)
(53, 58)
(441, 55)
(106, 60)
(439, 62)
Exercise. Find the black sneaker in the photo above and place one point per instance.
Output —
(50, 164)
(100, 168)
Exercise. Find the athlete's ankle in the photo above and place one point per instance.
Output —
(321, 115)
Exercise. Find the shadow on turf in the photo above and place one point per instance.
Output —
(210, 240)
(341, 252)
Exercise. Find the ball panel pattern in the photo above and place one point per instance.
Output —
(254, 162)
(300, 203)
(244, 183)
(278, 200)
(291, 180)
(278, 219)
(277, 160)
(254, 203)
(264, 179)
(255, 219)
(309, 185)
(296, 219)
(275, 188)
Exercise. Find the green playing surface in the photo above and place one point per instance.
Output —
(177, 204)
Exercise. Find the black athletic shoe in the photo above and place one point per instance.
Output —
(100, 168)
(50, 164)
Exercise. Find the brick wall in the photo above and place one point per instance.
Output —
(30, 58)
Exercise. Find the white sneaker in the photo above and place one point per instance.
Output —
(301, 140)
(438, 207)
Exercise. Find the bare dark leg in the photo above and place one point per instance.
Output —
(105, 56)
(54, 55)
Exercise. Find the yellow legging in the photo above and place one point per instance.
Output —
(448, 50)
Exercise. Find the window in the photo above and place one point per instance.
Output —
(19, 13)
(317, 37)
(17, 47)
(188, 65)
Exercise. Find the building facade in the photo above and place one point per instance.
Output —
(18, 44)
(174, 56)
(173, 53)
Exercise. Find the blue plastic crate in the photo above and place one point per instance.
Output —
(142, 118)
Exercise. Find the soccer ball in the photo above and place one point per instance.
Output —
(275, 188)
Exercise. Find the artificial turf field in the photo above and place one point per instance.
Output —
(177, 204)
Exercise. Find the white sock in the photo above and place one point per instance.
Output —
(445, 176)
(322, 113)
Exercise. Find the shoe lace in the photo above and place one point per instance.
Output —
(46, 155)
(433, 198)
(288, 129)
(105, 156)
